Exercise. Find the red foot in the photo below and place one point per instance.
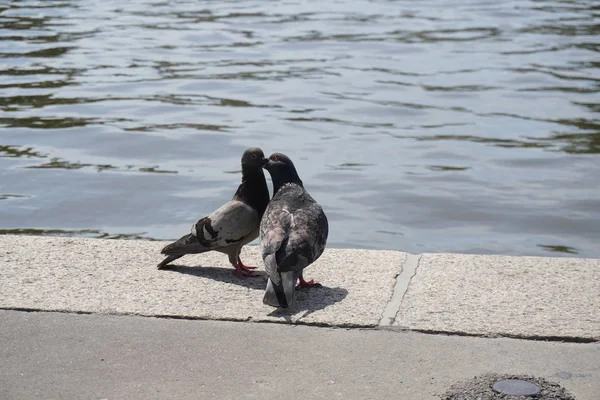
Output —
(240, 271)
(246, 267)
(307, 284)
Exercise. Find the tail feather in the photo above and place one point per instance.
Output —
(281, 294)
(167, 260)
(187, 244)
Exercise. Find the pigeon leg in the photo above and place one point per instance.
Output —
(246, 267)
(307, 284)
(240, 271)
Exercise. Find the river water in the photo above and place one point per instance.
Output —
(429, 126)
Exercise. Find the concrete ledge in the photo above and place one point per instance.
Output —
(120, 277)
(528, 297)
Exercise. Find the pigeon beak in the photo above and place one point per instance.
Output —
(265, 162)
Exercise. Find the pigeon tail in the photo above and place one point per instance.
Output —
(167, 260)
(187, 244)
(281, 294)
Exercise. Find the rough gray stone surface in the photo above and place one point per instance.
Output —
(120, 276)
(500, 295)
(68, 356)
(480, 388)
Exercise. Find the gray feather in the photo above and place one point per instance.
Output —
(234, 222)
(293, 235)
(281, 293)
(232, 225)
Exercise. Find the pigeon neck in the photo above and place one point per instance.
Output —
(291, 177)
(253, 190)
(251, 173)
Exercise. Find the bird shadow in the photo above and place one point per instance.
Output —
(307, 300)
(310, 300)
(220, 274)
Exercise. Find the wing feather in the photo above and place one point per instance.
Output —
(274, 235)
(309, 238)
(233, 222)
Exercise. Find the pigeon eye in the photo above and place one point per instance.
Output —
(275, 158)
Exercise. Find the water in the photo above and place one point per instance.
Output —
(428, 126)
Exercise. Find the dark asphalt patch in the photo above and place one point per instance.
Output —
(480, 388)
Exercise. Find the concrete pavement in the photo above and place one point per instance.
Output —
(391, 297)
(120, 277)
(69, 356)
(529, 297)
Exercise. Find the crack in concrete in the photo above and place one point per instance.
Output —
(409, 270)
(501, 335)
(383, 327)
(249, 319)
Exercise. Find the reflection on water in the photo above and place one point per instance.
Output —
(11, 196)
(560, 249)
(419, 126)
(84, 233)
(19, 151)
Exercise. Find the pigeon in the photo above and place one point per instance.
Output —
(293, 232)
(232, 225)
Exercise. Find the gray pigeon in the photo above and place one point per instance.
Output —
(234, 224)
(293, 232)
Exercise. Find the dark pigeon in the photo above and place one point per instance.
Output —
(234, 224)
(293, 232)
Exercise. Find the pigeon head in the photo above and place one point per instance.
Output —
(281, 169)
(252, 159)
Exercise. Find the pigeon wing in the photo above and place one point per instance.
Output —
(274, 244)
(274, 236)
(231, 223)
(307, 237)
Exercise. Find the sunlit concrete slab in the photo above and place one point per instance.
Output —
(120, 277)
(534, 297)
(529, 297)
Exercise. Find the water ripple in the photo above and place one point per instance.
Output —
(419, 126)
